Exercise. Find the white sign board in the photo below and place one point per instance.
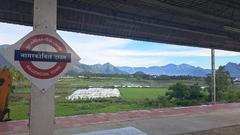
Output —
(42, 57)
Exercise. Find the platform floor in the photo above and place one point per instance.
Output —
(170, 121)
(117, 131)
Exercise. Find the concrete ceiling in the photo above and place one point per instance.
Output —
(199, 23)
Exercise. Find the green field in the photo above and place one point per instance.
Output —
(142, 93)
(136, 94)
(132, 99)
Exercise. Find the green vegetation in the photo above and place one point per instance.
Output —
(19, 110)
(132, 99)
(146, 92)
(184, 95)
(224, 86)
(95, 106)
(142, 93)
(231, 95)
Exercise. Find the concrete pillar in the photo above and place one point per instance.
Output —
(42, 108)
(45, 15)
(42, 111)
(213, 76)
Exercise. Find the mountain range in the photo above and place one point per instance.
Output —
(233, 69)
(106, 68)
(170, 69)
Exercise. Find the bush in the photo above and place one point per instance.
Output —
(231, 95)
(160, 102)
(190, 102)
(184, 95)
(164, 101)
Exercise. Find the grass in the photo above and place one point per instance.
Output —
(142, 93)
(131, 100)
(111, 81)
(70, 108)
(19, 110)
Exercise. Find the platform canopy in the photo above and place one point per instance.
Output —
(200, 23)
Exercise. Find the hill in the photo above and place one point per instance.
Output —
(170, 70)
(76, 69)
(233, 69)
(106, 68)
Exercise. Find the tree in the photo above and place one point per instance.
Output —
(178, 91)
(195, 92)
(223, 82)
(182, 94)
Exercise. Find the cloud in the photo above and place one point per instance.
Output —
(11, 33)
(221, 53)
(99, 50)
(120, 52)
(132, 61)
(92, 49)
(181, 53)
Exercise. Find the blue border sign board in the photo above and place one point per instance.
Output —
(41, 57)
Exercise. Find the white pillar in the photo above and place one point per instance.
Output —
(42, 108)
(42, 111)
(45, 15)
(213, 76)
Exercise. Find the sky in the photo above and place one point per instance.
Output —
(125, 52)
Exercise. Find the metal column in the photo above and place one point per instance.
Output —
(213, 76)
(42, 101)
